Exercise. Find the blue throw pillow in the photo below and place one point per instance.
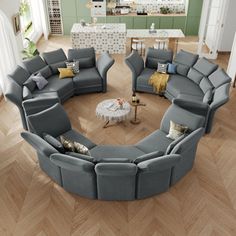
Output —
(171, 68)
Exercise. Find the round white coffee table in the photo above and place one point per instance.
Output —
(109, 110)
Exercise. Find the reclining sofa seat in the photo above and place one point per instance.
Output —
(196, 79)
(118, 172)
(22, 91)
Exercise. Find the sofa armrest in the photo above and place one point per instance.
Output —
(14, 92)
(71, 163)
(39, 144)
(221, 96)
(148, 156)
(136, 64)
(196, 107)
(104, 63)
(160, 163)
(114, 160)
(35, 105)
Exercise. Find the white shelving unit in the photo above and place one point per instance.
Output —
(55, 20)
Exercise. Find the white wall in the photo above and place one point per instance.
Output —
(231, 70)
(10, 8)
(229, 28)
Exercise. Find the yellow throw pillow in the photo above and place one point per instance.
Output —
(65, 73)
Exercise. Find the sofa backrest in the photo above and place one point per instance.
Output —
(85, 56)
(19, 75)
(181, 112)
(53, 121)
(184, 60)
(55, 59)
(218, 78)
(155, 56)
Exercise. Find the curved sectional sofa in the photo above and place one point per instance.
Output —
(91, 78)
(149, 167)
(127, 172)
(196, 79)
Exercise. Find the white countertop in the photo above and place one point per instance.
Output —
(99, 28)
(160, 33)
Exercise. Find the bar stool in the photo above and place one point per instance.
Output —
(138, 44)
(161, 44)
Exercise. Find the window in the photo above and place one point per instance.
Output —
(26, 18)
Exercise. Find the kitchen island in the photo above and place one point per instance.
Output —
(103, 37)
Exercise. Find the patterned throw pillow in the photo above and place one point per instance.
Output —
(74, 66)
(162, 68)
(72, 146)
(65, 73)
(176, 130)
(41, 82)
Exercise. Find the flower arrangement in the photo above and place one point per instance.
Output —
(120, 102)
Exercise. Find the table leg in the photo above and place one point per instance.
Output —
(106, 125)
(135, 121)
(234, 82)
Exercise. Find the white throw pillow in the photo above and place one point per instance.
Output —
(40, 81)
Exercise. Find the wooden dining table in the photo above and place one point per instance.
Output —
(173, 35)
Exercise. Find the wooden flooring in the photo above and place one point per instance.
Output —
(202, 203)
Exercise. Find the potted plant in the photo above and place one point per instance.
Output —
(30, 50)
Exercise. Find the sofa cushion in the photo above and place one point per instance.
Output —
(219, 77)
(87, 77)
(195, 75)
(34, 64)
(85, 56)
(26, 93)
(54, 67)
(61, 86)
(19, 75)
(54, 56)
(178, 84)
(206, 85)
(108, 151)
(145, 75)
(30, 84)
(174, 143)
(78, 137)
(204, 66)
(157, 141)
(181, 69)
(208, 96)
(186, 58)
(45, 72)
(171, 68)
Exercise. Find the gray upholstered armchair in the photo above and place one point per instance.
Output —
(93, 74)
(141, 72)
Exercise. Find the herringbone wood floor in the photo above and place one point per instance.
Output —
(202, 203)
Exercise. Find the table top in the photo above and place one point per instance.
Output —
(109, 110)
(160, 33)
(98, 28)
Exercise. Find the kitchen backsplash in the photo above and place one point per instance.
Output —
(154, 6)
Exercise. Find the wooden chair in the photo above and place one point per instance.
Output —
(161, 43)
(138, 44)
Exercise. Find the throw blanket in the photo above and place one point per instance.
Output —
(159, 82)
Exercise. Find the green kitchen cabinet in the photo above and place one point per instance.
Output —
(192, 25)
(82, 10)
(128, 20)
(166, 22)
(68, 8)
(113, 19)
(140, 22)
(179, 22)
(67, 24)
(195, 7)
(101, 19)
(153, 19)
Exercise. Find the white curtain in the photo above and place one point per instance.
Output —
(9, 52)
(39, 17)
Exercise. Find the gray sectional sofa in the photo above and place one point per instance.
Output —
(119, 172)
(196, 79)
(91, 78)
